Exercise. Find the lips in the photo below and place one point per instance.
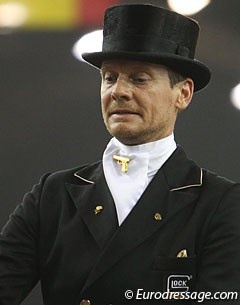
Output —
(123, 112)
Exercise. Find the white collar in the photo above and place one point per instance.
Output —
(156, 152)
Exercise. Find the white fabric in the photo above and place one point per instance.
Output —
(145, 160)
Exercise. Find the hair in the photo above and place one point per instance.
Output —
(174, 77)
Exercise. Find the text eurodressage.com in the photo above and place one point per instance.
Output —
(140, 294)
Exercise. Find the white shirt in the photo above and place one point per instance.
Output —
(145, 160)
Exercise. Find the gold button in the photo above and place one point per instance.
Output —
(85, 302)
(98, 209)
(182, 253)
(158, 216)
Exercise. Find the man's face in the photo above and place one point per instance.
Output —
(138, 103)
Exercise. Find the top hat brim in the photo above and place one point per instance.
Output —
(196, 70)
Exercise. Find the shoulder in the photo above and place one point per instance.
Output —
(216, 184)
(221, 199)
(71, 175)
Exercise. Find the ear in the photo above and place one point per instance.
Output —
(186, 88)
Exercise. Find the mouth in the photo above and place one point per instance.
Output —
(123, 112)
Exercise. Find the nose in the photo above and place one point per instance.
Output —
(121, 90)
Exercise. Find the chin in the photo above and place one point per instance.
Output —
(128, 137)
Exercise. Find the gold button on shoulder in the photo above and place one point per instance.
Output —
(158, 216)
(85, 302)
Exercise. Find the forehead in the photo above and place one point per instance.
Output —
(131, 65)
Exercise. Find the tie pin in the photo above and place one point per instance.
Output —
(122, 161)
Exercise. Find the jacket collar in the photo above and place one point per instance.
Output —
(181, 172)
(94, 202)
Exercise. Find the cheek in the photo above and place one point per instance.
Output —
(105, 94)
(103, 108)
(103, 100)
(105, 104)
(154, 110)
(159, 110)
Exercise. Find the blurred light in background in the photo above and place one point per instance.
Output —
(235, 96)
(188, 7)
(52, 14)
(91, 42)
(12, 14)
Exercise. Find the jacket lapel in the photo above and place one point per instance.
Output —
(172, 189)
(94, 201)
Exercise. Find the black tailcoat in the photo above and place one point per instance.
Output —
(57, 236)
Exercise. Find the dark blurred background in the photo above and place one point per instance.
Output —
(50, 106)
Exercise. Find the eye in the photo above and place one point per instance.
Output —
(109, 77)
(140, 78)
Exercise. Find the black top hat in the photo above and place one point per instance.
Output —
(151, 34)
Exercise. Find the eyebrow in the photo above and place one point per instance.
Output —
(135, 68)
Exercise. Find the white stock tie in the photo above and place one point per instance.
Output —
(144, 161)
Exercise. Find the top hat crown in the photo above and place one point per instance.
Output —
(152, 34)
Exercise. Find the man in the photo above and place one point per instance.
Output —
(145, 225)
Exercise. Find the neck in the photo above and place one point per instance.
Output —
(144, 146)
